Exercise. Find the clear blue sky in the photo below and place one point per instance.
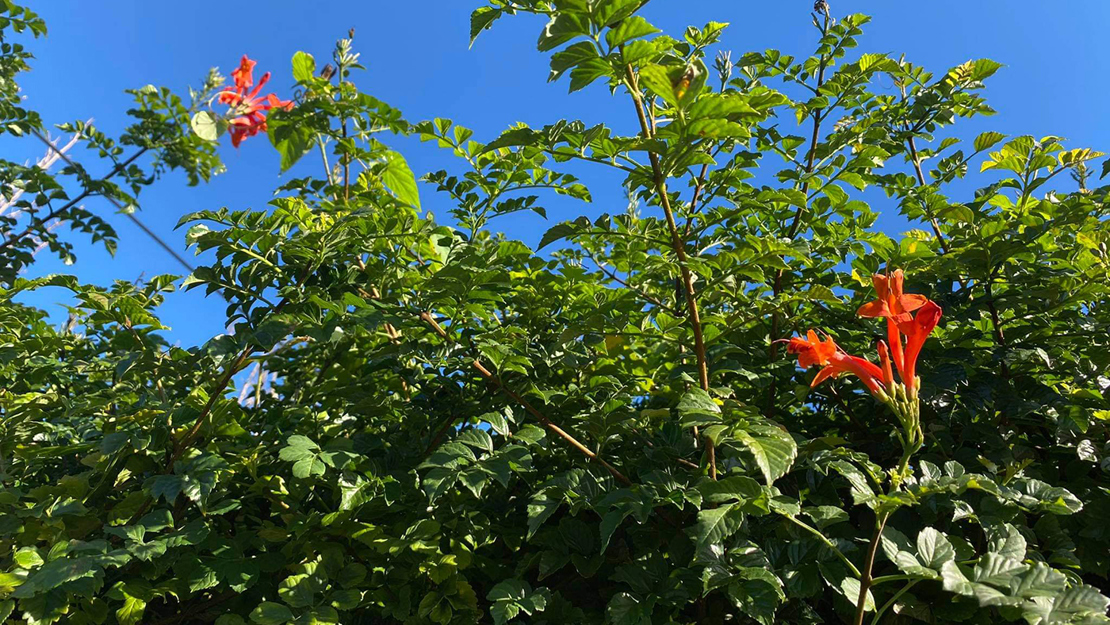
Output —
(418, 60)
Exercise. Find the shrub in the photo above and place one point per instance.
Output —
(415, 421)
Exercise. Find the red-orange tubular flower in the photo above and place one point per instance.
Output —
(896, 307)
(247, 106)
(917, 330)
(813, 351)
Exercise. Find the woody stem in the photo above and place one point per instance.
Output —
(679, 246)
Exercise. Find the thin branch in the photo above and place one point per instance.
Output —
(895, 598)
(135, 220)
(776, 288)
(561, 433)
(865, 579)
(646, 129)
(828, 543)
(74, 202)
(921, 182)
(698, 186)
(651, 299)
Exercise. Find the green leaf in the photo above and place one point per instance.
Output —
(207, 125)
(270, 613)
(298, 447)
(696, 405)
(55, 573)
(539, 510)
(897, 548)
(987, 140)
(934, 549)
(1076, 603)
(773, 448)
(478, 439)
(297, 591)
(851, 587)
(304, 67)
(733, 488)
(716, 524)
(564, 26)
(399, 178)
(292, 137)
(131, 611)
(758, 594)
(28, 558)
(624, 609)
(658, 80)
(481, 19)
(628, 29)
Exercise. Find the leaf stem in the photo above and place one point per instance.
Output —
(888, 604)
(828, 543)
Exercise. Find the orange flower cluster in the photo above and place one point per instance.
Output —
(909, 317)
(247, 106)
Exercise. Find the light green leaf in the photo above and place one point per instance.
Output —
(934, 549)
(304, 67)
(716, 524)
(207, 125)
(399, 178)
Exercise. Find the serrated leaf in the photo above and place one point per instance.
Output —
(774, 449)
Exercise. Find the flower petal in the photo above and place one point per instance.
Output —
(910, 302)
(876, 308)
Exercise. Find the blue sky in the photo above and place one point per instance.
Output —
(418, 60)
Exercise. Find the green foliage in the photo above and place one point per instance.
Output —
(417, 422)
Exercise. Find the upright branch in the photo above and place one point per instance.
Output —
(660, 179)
(916, 160)
(796, 222)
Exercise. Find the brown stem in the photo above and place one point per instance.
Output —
(182, 445)
(70, 204)
(680, 252)
(921, 181)
(440, 433)
(865, 579)
(996, 322)
(390, 331)
(561, 433)
(796, 223)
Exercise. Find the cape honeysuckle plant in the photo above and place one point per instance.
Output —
(421, 421)
(900, 397)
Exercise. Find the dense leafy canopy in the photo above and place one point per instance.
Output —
(422, 422)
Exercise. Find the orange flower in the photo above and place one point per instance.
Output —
(917, 330)
(891, 302)
(247, 106)
(244, 74)
(895, 306)
(812, 351)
